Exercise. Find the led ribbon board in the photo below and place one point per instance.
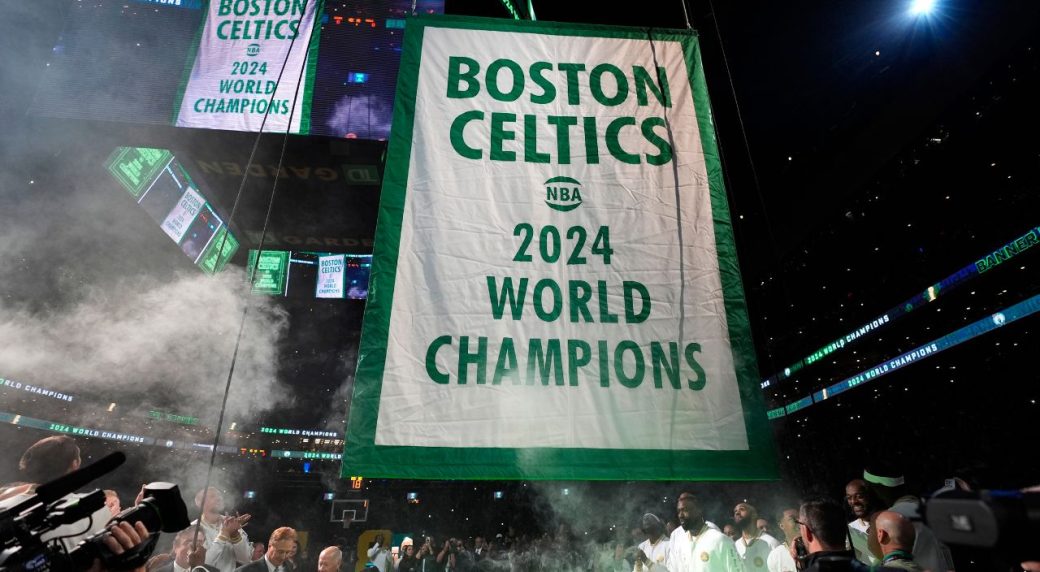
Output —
(301, 432)
(1006, 252)
(980, 327)
(555, 291)
(93, 432)
(36, 390)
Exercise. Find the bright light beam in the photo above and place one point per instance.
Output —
(921, 7)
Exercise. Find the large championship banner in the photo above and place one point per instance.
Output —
(555, 291)
(235, 77)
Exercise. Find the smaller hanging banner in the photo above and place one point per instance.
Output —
(330, 276)
(271, 273)
(235, 77)
(182, 215)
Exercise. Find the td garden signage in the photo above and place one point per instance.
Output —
(555, 291)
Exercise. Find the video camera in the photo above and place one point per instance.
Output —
(1004, 522)
(23, 525)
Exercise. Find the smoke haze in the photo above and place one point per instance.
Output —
(167, 341)
(97, 302)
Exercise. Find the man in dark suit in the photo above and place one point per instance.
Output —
(187, 558)
(278, 549)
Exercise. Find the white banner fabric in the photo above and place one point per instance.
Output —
(331, 272)
(234, 77)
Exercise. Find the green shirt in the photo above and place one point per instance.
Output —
(901, 560)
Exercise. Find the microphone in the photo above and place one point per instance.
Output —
(64, 485)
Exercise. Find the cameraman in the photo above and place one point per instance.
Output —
(120, 538)
(821, 523)
(44, 461)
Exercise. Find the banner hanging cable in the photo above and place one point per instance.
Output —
(686, 15)
(318, 6)
(743, 130)
(508, 5)
(730, 187)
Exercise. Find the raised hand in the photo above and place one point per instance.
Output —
(231, 525)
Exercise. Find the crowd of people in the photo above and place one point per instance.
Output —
(812, 535)
(886, 532)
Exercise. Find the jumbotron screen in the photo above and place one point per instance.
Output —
(129, 61)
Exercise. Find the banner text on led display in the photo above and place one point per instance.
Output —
(955, 280)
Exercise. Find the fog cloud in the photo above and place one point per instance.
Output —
(165, 341)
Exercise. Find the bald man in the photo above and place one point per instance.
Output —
(892, 537)
(330, 559)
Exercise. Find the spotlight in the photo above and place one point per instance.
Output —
(921, 7)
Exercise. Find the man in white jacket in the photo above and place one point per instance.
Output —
(653, 551)
(697, 547)
(227, 545)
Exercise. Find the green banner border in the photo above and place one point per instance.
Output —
(361, 455)
(227, 249)
(312, 68)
